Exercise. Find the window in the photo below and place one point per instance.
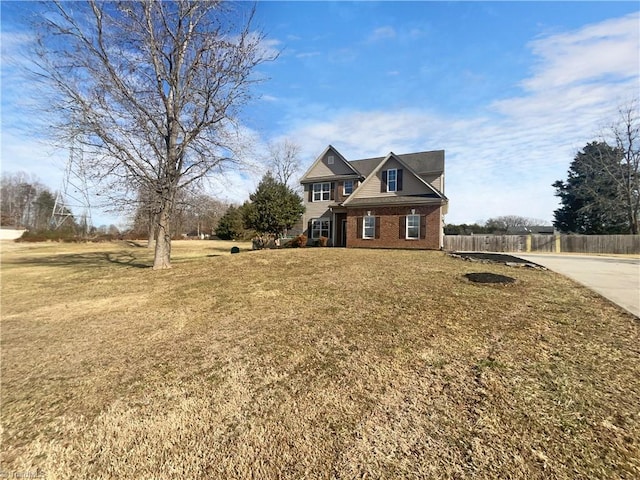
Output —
(413, 227)
(330, 160)
(321, 191)
(392, 180)
(348, 187)
(320, 228)
(369, 227)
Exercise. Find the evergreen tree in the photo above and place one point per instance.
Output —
(591, 199)
(230, 226)
(44, 204)
(274, 207)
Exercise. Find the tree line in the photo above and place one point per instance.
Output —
(495, 226)
(25, 202)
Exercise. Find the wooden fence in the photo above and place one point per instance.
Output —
(618, 244)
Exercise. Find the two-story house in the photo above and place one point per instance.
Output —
(395, 201)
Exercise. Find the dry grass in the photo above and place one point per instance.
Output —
(309, 363)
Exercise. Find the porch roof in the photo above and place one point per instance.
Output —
(398, 200)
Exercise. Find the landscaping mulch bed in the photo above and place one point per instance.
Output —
(489, 257)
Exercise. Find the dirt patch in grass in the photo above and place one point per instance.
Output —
(487, 277)
(309, 363)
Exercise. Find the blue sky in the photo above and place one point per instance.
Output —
(510, 91)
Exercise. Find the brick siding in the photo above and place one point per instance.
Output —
(389, 227)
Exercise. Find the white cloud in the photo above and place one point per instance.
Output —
(503, 159)
(596, 51)
(382, 33)
(307, 54)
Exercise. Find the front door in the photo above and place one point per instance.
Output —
(340, 230)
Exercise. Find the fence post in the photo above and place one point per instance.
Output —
(528, 243)
(557, 248)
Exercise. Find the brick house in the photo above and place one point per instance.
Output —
(395, 201)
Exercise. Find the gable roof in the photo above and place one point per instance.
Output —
(431, 191)
(421, 162)
(321, 156)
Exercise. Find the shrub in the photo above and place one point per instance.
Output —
(297, 242)
(323, 241)
(257, 243)
(48, 236)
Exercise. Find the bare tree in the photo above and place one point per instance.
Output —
(152, 90)
(284, 160)
(198, 213)
(24, 201)
(626, 137)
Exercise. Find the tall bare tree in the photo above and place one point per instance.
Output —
(284, 160)
(152, 90)
(626, 137)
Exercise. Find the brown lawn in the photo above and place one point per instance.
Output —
(308, 363)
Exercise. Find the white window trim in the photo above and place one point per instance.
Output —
(321, 192)
(320, 230)
(406, 236)
(344, 187)
(395, 180)
(364, 227)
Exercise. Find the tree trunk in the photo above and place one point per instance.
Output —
(162, 258)
(153, 231)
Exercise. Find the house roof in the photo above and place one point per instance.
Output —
(354, 176)
(432, 192)
(331, 148)
(396, 200)
(420, 162)
(422, 166)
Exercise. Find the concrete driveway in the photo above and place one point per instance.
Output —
(615, 278)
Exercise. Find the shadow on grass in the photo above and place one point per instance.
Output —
(125, 258)
(132, 243)
(91, 259)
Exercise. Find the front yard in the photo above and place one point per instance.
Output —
(308, 363)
